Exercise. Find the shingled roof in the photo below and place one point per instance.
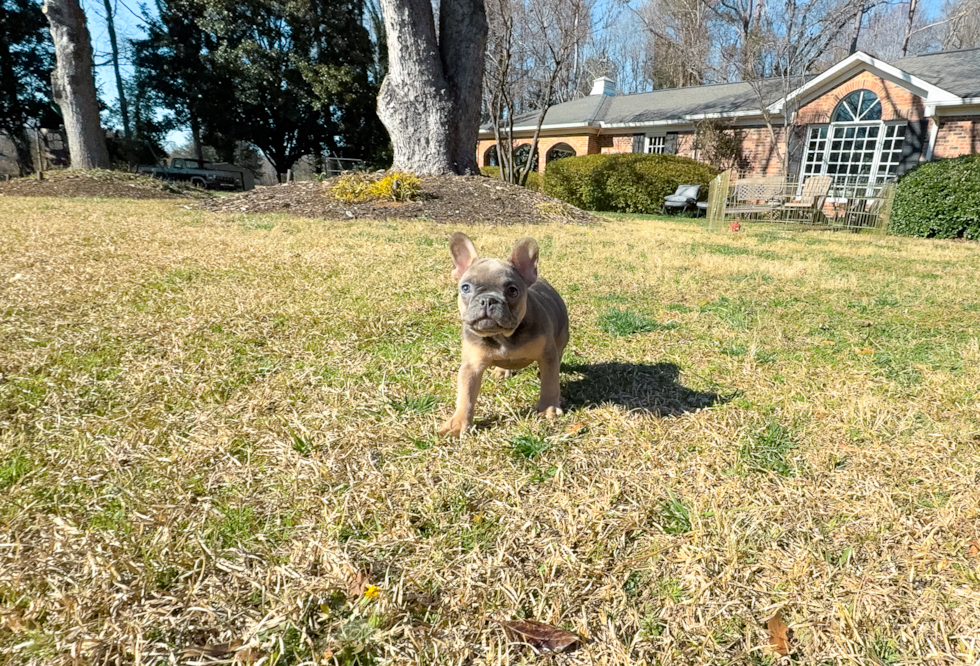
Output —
(957, 72)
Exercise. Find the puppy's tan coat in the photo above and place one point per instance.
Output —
(511, 319)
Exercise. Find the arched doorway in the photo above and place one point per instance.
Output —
(559, 151)
(857, 146)
(490, 157)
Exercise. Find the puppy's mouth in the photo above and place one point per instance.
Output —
(489, 326)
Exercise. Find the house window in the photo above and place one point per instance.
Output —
(856, 147)
(655, 144)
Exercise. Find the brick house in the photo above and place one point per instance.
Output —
(862, 118)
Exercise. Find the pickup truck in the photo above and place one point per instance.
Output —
(203, 174)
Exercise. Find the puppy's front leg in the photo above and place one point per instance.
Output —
(467, 390)
(550, 401)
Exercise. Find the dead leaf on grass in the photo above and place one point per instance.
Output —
(539, 635)
(866, 352)
(974, 548)
(358, 584)
(779, 634)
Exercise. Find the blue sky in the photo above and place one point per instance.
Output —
(128, 19)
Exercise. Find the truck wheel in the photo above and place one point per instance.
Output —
(199, 182)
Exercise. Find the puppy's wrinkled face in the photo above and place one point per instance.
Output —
(492, 294)
(492, 297)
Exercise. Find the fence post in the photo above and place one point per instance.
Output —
(717, 194)
(888, 198)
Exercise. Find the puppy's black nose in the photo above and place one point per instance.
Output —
(487, 300)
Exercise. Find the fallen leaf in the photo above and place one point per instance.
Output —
(828, 343)
(214, 651)
(573, 429)
(540, 636)
(866, 352)
(358, 585)
(974, 548)
(779, 634)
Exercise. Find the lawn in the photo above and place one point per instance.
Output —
(219, 428)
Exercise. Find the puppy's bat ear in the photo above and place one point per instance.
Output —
(464, 253)
(524, 256)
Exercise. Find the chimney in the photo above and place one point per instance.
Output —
(604, 86)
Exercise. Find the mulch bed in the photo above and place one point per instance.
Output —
(474, 199)
(108, 184)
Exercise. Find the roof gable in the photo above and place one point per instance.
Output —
(861, 62)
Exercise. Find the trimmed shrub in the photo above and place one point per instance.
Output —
(533, 178)
(629, 182)
(939, 200)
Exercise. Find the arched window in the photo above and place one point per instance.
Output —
(857, 147)
(559, 151)
(490, 157)
(521, 154)
(859, 105)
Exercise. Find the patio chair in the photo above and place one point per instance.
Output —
(810, 201)
(686, 195)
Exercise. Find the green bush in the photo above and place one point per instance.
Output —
(939, 200)
(533, 178)
(629, 183)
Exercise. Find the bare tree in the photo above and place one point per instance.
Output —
(681, 39)
(73, 84)
(123, 107)
(789, 45)
(430, 98)
(531, 50)
(962, 24)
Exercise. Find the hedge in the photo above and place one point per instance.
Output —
(629, 183)
(533, 178)
(939, 200)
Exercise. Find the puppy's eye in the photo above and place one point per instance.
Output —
(512, 291)
(465, 289)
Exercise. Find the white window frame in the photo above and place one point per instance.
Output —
(874, 178)
(655, 145)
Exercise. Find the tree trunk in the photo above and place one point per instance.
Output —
(908, 28)
(463, 46)
(430, 98)
(123, 107)
(196, 137)
(857, 28)
(73, 84)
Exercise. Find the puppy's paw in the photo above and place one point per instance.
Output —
(454, 427)
(500, 373)
(549, 410)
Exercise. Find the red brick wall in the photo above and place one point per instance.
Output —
(610, 144)
(958, 135)
(760, 156)
(897, 103)
(582, 145)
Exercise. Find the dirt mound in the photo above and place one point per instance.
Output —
(474, 199)
(98, 183)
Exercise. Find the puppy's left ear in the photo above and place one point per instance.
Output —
(524, 256)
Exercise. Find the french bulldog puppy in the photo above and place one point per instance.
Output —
(511, 319)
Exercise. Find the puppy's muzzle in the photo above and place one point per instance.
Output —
(489, 301)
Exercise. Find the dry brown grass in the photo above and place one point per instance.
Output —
(220, 428)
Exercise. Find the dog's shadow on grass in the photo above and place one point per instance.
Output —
(643, 387)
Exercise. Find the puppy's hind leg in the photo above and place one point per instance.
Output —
(549, 365)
